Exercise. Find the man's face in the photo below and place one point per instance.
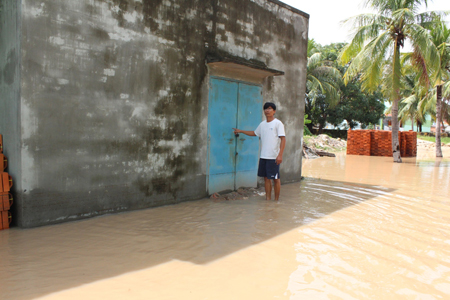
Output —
(269, 112)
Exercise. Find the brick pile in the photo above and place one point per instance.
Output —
(358, 142)
(379, 143)
(408, 144)
(5, 190)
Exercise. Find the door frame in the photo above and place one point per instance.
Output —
(208, 119)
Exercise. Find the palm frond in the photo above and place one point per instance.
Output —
(314, 61)
(372, 65)
(427, 19)
(423, 44)
(332, 94)
(446, 91)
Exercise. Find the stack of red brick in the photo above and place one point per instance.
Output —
(379, 143)
(5, 188)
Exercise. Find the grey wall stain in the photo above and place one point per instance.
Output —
(10, 108)
(116, 101)
(9, 71)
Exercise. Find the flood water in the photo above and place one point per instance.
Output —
(356, 228)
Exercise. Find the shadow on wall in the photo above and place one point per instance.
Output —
(39, 261)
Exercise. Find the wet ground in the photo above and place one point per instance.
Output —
(356, 228)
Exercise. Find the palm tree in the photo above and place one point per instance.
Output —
(322, 78)
(441, 38)
(409, 109)
(374, 51)
(412, 93)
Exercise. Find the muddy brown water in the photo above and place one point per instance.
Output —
(356, 228)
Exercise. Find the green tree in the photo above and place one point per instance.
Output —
(374, 52)
(322, 85)
(428, 103)
(306, 129)
(413, 91)
(357, 106)
(441, 39)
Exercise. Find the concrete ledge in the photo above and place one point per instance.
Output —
(293, 9)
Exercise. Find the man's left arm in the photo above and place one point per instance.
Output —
(280, 154)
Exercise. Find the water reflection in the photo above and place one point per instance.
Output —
(395, 246)
(356, 228)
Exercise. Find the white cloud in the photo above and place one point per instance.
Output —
(326, 16)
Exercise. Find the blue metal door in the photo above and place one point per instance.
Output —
(222, 142)
(247, 147)
(232, 161)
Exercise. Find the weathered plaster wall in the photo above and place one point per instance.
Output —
(114, 98)
(276, 36)
(289, 32)
(10, 91)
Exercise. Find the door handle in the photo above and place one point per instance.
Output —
(236, 135)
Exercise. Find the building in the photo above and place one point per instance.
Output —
(115, 105)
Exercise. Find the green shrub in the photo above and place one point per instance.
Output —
(306, 129)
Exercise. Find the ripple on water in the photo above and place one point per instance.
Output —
(355, 228)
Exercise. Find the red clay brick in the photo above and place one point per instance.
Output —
(6, 201)
(379, 143)
(5, 182)
(3, 162)
(5, 219)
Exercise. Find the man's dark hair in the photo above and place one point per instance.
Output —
(270, 104)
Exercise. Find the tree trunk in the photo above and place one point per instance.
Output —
(320, 131)
(419, 126)
(438, 120)
(322, 125)
(395, 128)
(396, 73)
(349, 123)
(412, 123)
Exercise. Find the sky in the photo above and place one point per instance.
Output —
(325, 16)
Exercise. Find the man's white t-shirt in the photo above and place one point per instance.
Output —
(269, 133)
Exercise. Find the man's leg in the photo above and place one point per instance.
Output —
(277, 188)
(268, 186)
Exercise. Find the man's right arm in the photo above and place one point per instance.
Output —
(247, 132)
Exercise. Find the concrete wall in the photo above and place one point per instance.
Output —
(10, 92)
(114, 98)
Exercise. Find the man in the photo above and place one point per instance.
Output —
(273, 140)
